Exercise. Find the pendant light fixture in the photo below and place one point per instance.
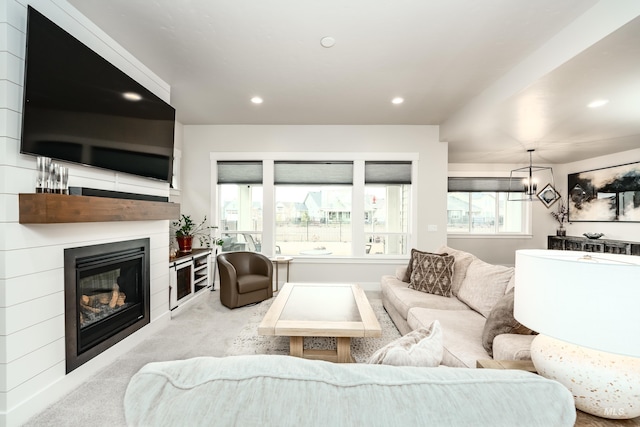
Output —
(523, 184)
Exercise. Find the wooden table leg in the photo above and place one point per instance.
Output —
(343, 348)
(296, 346)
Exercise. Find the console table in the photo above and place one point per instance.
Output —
(575, 243)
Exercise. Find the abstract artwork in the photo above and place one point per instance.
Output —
(604, 195)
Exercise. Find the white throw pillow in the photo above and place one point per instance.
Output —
(422, 347)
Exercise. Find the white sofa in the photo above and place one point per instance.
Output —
(288, 391)
(476, 286)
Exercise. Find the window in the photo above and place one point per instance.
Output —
(313, 220)
(480, 206)
(240, 207)
(315, 208)
(387, 196)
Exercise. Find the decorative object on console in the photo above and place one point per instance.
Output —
(521, 180)
(607, 194)
(548, 195)
(582, 311)
(593, 236)
(186, 229)
(422, 347)
(561, 215)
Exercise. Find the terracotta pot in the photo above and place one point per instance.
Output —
(184, 243)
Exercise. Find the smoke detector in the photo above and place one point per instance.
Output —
(327, 42)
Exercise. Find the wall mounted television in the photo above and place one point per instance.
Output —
(80, 108)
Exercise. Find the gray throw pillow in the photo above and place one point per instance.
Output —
(422, 347)
(501, 321)
(414, 254)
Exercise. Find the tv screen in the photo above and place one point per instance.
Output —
(80, 108)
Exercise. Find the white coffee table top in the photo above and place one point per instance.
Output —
(321, 310)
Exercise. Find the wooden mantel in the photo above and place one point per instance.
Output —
(62, 208)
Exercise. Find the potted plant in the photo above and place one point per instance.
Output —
(562, 215)
(186, 229)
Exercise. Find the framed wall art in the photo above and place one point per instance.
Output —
(604, 195)
(548, 195)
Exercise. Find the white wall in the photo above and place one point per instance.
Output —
(200, 141)
(32, 353)
(612, 230)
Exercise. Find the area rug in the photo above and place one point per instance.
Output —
(249, 342)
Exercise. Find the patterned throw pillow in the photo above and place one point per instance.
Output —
(432, 274)
(414, 254)
(422, 347)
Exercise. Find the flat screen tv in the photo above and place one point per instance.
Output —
(80, 108)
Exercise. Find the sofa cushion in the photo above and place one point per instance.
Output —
(414, 254)
(239, 391)
(501, 321)
(422, 347)
(461, 334)
(398, 294)
(432, 274)
(512, 347)
(462, 261)
(484, 285)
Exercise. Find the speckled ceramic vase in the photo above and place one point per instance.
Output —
(603, 384)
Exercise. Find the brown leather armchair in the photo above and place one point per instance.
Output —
(245, 278)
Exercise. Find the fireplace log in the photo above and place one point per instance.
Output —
(85, 306)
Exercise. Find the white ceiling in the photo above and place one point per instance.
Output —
(499, 76)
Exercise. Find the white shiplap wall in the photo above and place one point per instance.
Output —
(32, 355)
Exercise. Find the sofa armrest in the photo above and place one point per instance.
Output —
(512, 347)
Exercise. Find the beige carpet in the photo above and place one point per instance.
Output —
(249, 342)
(204, 328)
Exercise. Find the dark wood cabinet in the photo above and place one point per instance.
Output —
(575, 243)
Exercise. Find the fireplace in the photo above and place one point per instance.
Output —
(106, 296)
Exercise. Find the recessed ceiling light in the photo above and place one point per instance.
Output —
(397, 100)
(327, 42)
(256, 100)
(598, 103)
(131, 96)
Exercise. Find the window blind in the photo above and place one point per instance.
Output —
(387, 172)
(321, 173)
(477, 185)
(240, 172)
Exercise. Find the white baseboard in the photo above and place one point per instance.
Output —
(21, 413)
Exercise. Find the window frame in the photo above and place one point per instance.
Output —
(358, 191)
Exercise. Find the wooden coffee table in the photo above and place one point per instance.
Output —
(321, 310)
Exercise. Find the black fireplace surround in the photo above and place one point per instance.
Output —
(107, 291)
